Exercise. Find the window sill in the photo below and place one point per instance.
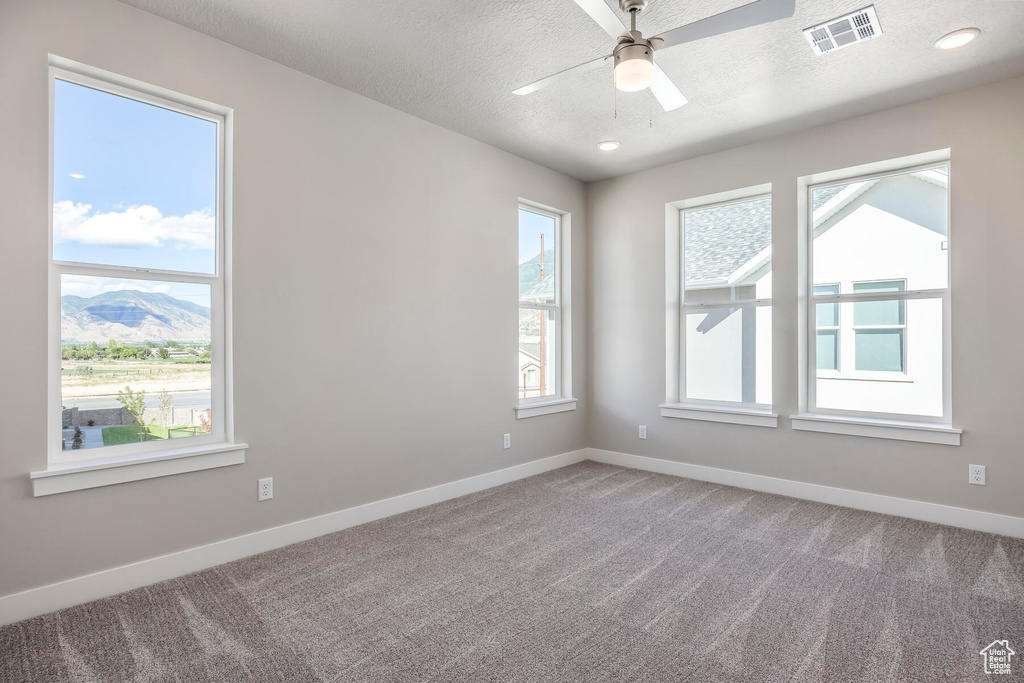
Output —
(559, 405)
(901, 379)
(924, 432)
(60, 478)
(708, 413)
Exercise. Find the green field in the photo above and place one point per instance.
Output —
(114, 436)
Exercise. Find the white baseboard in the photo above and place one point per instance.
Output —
(914, 509)
(45, 599)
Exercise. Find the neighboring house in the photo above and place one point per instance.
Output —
(529, 370)
(876, 229)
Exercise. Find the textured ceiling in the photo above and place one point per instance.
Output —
(456, 62)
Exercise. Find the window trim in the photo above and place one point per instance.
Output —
(676, 404)
(562, 399)
(135, 456)
(830, 419)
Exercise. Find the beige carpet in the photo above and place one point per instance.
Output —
(588, 573)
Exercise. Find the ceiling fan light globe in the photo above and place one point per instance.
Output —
(633, 75)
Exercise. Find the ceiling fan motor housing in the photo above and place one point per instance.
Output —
(638, 49)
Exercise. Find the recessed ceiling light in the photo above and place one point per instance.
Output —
(959, 38)
(608, 145)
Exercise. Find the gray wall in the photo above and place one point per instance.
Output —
(348, 219)
(985, 130)
(100, 417)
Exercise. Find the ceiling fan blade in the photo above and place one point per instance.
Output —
(604, 15)
(561, 75)
(666, 92)
(753, 14)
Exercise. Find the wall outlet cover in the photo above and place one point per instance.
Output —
(265, 489)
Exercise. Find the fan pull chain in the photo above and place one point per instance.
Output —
(650, 109)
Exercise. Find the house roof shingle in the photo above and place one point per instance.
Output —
(720, 239)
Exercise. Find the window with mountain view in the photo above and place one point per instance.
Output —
(136, 256)
(726, 336)
(539, 305)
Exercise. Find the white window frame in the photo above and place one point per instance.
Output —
(900, 426)
(677, 404)
(562, 399)
(72, 470)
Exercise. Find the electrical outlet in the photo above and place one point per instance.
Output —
(266, 489)
(976, 475)
(643, 431)
(508, 441)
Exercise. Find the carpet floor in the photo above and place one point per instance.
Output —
(586, 573)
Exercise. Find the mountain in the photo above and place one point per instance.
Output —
(529, 272)
(131, 316)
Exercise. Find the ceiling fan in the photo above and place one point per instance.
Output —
(633, 56)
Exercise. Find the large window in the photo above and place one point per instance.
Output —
(725, 318)
(879, 294)
(138, 271)
(542, 376)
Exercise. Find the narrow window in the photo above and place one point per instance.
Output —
(539, 317)
(543, 375)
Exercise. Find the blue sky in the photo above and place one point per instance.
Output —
(133, 184)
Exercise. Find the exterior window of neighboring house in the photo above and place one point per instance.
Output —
(880, 329)
(879, 294)
(139, 351)
(543, 375)
(827, 324)
(726, 311)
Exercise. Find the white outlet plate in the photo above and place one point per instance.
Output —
(508, 441)
(643, 431)
(976, 475)
(265, 489)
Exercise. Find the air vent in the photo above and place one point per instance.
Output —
(847, 30)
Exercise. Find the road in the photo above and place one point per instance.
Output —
(182, 399)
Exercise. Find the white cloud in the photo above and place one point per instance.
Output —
(76, 176)
(138, 226)
(86, 287)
